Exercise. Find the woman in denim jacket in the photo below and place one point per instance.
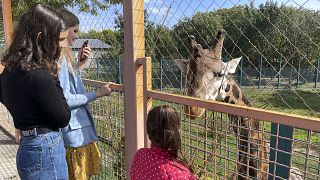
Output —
(80, 136)
(31, 92)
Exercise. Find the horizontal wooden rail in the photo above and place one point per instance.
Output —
(304, 122)
(113, 86)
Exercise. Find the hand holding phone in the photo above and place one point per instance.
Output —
(82, 57)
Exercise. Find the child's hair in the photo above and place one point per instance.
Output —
(163, 128)
(71, 20)
(36, 40)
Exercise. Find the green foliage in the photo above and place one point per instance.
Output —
(201, 25)
(20, 6)
(160, 42)
(270, 31)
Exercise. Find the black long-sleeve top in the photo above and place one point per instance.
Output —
(34, 99)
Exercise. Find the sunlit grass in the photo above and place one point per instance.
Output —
(210, 135)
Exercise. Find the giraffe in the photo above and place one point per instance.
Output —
(208, 77)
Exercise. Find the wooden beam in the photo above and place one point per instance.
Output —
(147, 65)
(113, 86)
(134, 48)
(7, 21)
(303, 122)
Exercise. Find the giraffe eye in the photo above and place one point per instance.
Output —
(219, 74)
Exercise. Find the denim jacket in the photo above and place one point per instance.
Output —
(81, 129)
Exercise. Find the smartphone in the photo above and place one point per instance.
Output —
(85, 44)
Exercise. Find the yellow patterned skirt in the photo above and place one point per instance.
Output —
(84, 161)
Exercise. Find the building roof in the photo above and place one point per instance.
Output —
(93, 43)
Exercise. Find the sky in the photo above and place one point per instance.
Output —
(169, 12)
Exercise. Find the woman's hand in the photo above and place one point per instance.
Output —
(84, 53)
(105, 90)
(83, 57)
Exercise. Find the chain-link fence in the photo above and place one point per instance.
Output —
(108, 114)
(279, 45)
(279, 70)
(213, 148)
(278, 42)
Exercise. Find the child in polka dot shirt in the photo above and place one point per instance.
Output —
(161, 160)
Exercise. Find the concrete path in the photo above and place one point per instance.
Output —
(8, 150)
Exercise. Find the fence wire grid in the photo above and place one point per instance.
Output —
(279, 70)
(279, 44)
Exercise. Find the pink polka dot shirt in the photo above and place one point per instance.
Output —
(155, 163)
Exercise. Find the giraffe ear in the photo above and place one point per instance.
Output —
(231, 66)
(182, 64)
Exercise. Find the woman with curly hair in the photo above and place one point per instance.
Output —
(31, 92)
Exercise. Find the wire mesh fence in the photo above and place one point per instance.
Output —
(277, 41)
(279, 70)
(216, 151)
(108, 114)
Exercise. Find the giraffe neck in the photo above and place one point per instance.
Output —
(256, 145)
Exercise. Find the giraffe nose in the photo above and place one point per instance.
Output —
(220, 97)
(221, 94)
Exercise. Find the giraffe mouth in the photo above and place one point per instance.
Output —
(219, 98)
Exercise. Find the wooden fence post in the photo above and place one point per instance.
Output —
(7, 21)
(8, 35)
(134, 48)
(148, 101)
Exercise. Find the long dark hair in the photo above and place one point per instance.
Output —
(36, 40)
(70, 18)
(163, 128)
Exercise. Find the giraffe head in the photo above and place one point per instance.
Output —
(207, 74)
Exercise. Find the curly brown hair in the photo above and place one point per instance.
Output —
(35, 42)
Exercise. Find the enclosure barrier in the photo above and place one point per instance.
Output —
(283, 66)
(212, 146)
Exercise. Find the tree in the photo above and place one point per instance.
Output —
(91, 6)
(270, 31)
(202, 25)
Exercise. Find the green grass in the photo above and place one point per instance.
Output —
(211, 135)
(299, 102)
